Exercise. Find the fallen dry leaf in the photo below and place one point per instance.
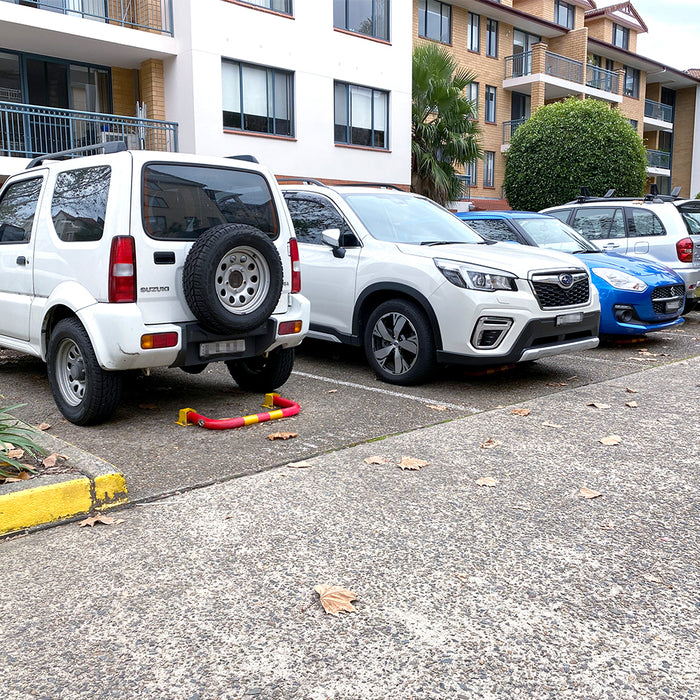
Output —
(632, 404)
(298, 465)
(282, 436)
(43, 426)
(50, 461)
(631, 391)
(104, 519)
(611, 440)
(556, 384)
(547, 424)
(436, 407)
(22, 476)
(589, 493)
(335, 599)
(571, 379)
(376, 459)
(15, 453)
(490, 443)
(148, 406)
(595, 404)
(332, 391)
(520, 412)
(412, 463)
(486, 481)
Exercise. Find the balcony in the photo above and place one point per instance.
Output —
(149, 15)
(27, 131)
(561, 76)
(602, 79)
(658, 162)
(509, 128)
(657, 116)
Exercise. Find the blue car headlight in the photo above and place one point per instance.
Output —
(470, 276)
(619, 279)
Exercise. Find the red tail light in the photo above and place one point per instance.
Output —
(684, 249)
(122, 271)
(296, 265)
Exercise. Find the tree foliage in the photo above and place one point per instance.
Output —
(570, 144)
(445, 134)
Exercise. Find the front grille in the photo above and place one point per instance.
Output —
(661, 295)
(551, 295)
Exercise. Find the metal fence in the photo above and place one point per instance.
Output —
(27, 131)
(510, 126)
(562, 67)
(657, 110)
(602, 79)
(659, 159)
(151, 15)
(518, 65)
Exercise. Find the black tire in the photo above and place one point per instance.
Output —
(690, 305)
(263, 374)
(85, 393)
(232, 278)
(399, 343)
(195, 369)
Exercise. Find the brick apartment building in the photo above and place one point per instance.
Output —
(528, 53)
(320, 89)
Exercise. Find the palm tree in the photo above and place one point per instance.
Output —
(445, 134)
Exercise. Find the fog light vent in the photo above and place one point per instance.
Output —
(490, 331)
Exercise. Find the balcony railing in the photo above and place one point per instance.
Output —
(520, 64)
(659, 159)
(151, 15)
(510, 127)
(28, 131)
(657, 110)
(601, 79)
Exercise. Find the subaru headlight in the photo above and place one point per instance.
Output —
(469, 276)
(619, 279)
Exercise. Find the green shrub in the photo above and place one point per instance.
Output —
(17, 434)
(570, 144)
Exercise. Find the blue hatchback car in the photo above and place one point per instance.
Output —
(636, 296)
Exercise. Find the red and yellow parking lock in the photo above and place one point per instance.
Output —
(188, 416)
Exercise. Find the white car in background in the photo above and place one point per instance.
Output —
(402, 277)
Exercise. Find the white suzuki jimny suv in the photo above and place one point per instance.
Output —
(127, 260)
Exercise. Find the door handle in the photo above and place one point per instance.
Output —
(21, 260)
(611, 245)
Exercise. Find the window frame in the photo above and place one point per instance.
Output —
(631, 226)
(473, 86)
(624, 33)
(254, 4)
(373, 35)
(492, 38)
(474, 38)
(348, 125)
(41, 180)
(570, 20)
(489, 169)
(490, 104)
(348, 238)
(635, 75)
(423, 21)
(270, 71)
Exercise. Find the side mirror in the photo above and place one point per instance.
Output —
(331, 237)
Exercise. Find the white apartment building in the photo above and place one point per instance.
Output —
(311, 88)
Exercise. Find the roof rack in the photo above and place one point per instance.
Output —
(652, 196)
(302, 180)
(245, 156)
(385, 185)
(106, 147)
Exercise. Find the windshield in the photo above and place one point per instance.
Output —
(555, 235)
(690, 211)
(401, 218)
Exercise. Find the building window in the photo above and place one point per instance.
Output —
(564, 14)
(257, 98)
(369, 17)
(361, 116)
(472, 94)
(489, 163)
(490, 104)
(634, 123)
(491, 37)
(470, 173)
(473, 30)
(435, 20)
(631, 82)
(621, 36)
(283, 6)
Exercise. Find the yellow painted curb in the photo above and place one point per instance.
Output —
(44, 504)
(40, 505)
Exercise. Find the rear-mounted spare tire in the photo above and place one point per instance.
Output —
(232, 278)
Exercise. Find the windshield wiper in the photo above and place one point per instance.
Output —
(584, 251)
(484, 242)
(439, 242)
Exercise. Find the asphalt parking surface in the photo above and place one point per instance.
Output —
(342, 404)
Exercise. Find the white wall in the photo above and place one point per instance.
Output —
(695, 159)
(207, 30)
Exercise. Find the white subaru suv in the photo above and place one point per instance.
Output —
(404, 278)
(126, 260)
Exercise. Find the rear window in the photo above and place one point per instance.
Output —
(181, 201)
(642, 222)
(495, 229)
(691, 216)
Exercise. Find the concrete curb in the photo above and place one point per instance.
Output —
(49, 499)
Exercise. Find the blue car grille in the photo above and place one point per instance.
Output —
(661, 295)
(551, 295)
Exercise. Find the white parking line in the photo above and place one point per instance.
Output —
(387, 392)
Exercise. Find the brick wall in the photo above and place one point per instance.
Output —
(683, 140)
(124, 91)
(572, 45)
(152, 87)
